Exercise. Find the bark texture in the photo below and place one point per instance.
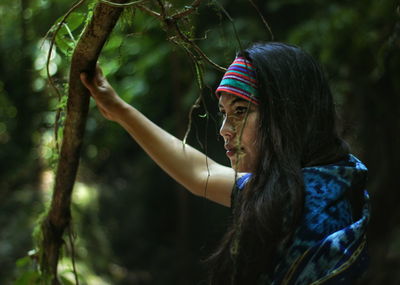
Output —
(84, 58)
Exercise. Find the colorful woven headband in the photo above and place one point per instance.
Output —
(240, 80)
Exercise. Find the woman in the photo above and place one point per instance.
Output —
(298, 199)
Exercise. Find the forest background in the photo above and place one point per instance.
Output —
(133, 224)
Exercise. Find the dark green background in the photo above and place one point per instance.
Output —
(135, 225)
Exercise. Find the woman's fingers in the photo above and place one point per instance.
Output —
(102, 92)
(86, 81)
(99, 78)
(95, 81)
(99, 70)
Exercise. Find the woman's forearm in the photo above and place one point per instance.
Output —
(188, 166)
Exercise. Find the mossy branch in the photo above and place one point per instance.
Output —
(84, 58)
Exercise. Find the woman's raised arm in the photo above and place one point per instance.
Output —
(194, 170)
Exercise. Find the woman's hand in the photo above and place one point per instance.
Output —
(107, 100)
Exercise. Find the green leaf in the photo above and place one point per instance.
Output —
(23, 261)
(65, 45)
(74, 21)
(66, 281)
(113, 43)
(199, 73)
(62, 103)
(60, 133)
(65, 39)
(27, 278)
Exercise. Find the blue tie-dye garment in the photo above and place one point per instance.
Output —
(328, 246)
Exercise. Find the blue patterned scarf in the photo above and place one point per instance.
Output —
(329, 246)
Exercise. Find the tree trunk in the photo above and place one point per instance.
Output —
(84, 59)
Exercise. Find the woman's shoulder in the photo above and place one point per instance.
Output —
(327, 189)
(329, 233)
(345, 172)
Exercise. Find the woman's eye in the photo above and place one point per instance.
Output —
(221, 114)
(240, 110)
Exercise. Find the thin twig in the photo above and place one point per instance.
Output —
(206, 149)
(239, 138)
(50, 79)
(196, 105)
(190, 120)
(187, 11)
(56, 127)
(53, 39)
(122, 5)
(149, 11)
(232, 23)
(205, 37)
(162, 8)
(197, 49)
(173, 22)
(71, 238)
(197, 102)
(69, 33)
(263, 19)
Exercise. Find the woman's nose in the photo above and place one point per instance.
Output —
(227, 130)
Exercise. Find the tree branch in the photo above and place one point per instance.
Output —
(84, 58)
(197, 49)
(149, 11)
(263, 19)
(187, 11)
(123, 5)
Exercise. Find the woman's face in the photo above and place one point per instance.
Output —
(239, 128)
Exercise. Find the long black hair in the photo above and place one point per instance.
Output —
(297, 128)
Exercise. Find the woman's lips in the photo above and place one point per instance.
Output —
(233, 152)
(230, 152)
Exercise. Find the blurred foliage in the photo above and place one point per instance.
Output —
(133, 224)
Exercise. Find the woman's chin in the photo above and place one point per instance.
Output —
(241, 167)
(240, 164)
(238, 167)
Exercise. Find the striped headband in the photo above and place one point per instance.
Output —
(240, 80)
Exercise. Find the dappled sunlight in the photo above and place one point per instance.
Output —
(40, 63)
(84, 194)
(85, 274)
